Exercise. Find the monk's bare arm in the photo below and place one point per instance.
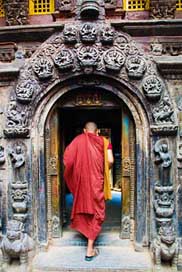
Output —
(110, 157)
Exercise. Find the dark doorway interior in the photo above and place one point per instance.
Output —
(72, 121)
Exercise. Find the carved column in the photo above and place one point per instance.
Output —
(162, 9)
(16, 12)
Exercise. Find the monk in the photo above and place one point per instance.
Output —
(87, 160)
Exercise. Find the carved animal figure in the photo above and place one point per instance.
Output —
(165, 246)
(16, 243)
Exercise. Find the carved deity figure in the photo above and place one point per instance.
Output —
(165, 246)
(16, 243)
(163, 158)
(15, 116)
(18, 160)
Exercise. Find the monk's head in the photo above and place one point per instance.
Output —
(91, 127)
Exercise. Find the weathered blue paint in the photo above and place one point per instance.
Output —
(140, 204)
(42, 211)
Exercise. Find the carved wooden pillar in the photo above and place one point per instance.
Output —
(16, 12)
(128, 176)
(53, 176)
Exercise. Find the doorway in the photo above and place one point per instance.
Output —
(114, 120)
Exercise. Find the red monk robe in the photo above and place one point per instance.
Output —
(84, 175)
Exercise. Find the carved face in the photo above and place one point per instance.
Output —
(167, 234)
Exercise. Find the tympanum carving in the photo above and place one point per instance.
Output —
(16, 12)
(2, 155)
(70, 34)
(107, 35)
(153, 87)
(88, 33)
(16, 243)
(135, 66)
(43, 67)
(17, 121)
(26, 89)
(114, 59)
(162, 9)
(88, 57)
(64, 59)
(163, 113)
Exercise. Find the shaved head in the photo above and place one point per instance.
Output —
(91, 127)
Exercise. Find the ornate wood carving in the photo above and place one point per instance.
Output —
(162, 9)
(2, 155)
(16, 12)
(7, 51)
(165, 245)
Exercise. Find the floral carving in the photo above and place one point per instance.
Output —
(135, 66)
(88, 57)
(164, 112)
(43, 67)
(114, 59)
(25, 90)
(70, 34)
(107, 35)
(64, 59)
(153, 87)
(88, 33)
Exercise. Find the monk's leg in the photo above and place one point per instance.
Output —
(90, 247)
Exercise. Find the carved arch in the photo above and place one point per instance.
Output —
(90, 49)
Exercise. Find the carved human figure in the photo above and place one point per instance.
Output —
(18, 160)
(15, 116)
(163, 158)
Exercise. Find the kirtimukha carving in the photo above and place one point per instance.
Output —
(2, 155)
(64, 59)
(165, 246)
(63, 5)
(88, 33)
(70, 34)
(43, 67)
(17, 121)
(135, 66)
(114, 59)
(153, 87)
(16, 243)
(163, 113)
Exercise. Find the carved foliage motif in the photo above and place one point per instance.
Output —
(135, 66)
(43, 67)
(64, 59)
(114, 59)
(153, 87)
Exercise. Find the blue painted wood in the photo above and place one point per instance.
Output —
(42, 211)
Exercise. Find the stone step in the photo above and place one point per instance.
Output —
(111, 259)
